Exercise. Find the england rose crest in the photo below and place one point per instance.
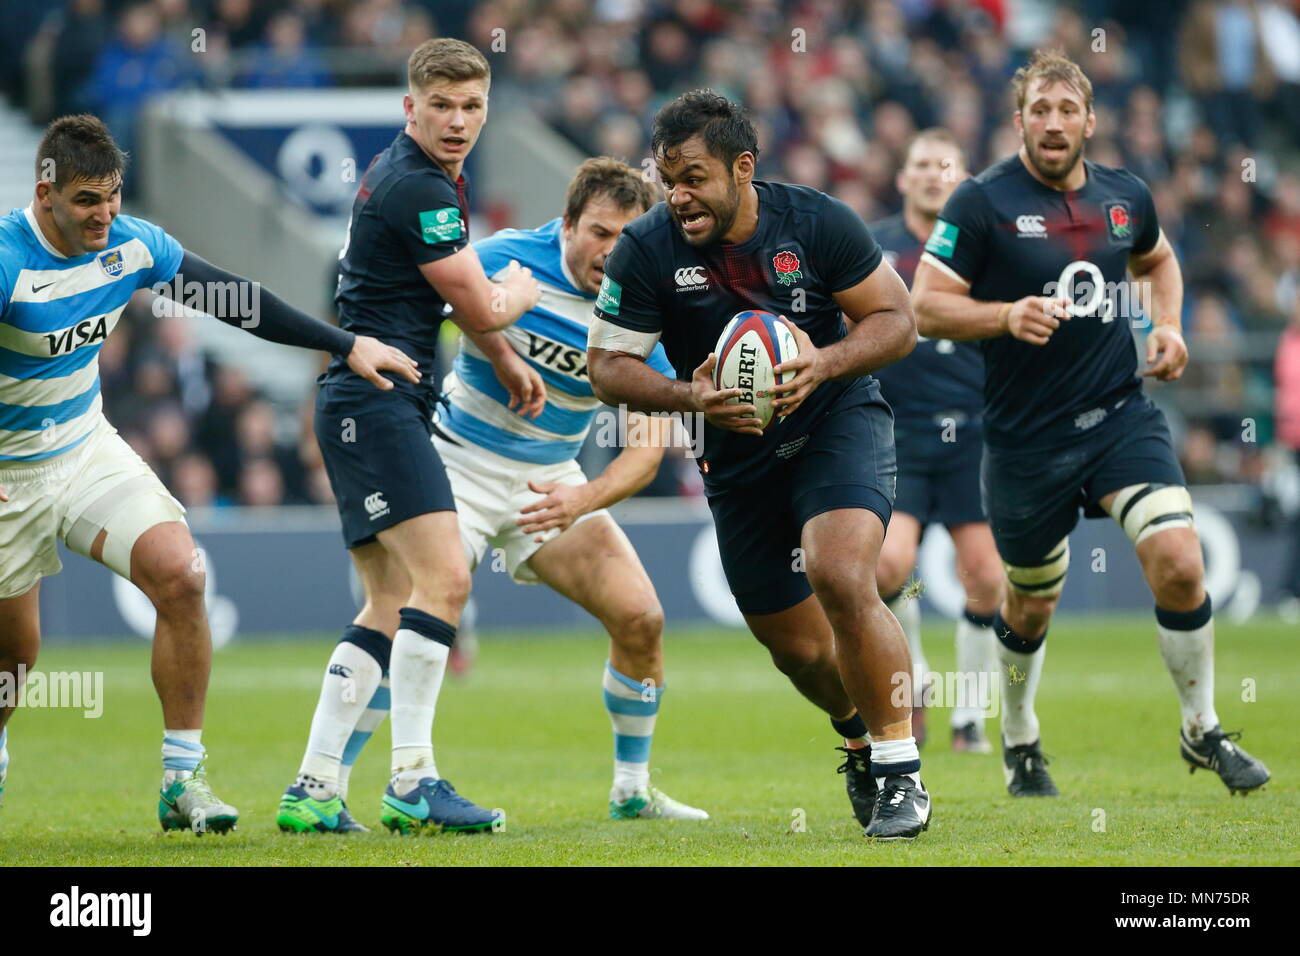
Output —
(1119, 224)
(786, 265)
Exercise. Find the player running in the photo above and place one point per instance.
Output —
(1030, 257)
(816, 488)
(936, 395)
(406, 257)
(519, 489)
(68, 264)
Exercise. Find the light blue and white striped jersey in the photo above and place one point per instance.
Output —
(55, 312)
(553, 339)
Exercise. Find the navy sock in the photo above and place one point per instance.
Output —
(1185, 620)
(1013, 641)
(853, 728)
(979, 620)
(374, 643)
(426, 625)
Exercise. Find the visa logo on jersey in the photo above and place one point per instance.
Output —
(561, 358)
(89, 332)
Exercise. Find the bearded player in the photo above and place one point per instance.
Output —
(936, 395)
(519, 489)
(815, 488)
(1030, 258)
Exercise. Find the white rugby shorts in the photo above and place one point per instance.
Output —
(490, 491)
(101, 484)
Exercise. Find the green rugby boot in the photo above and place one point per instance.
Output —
(650, 803)
(188, 803)
(308, 806)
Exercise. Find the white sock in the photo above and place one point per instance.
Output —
(633, 719)
(416, 670)
(975, 653)
(1189, 658)
(908, 611)
(895, 757)
(350, 680)
(1020, 674)
(374, 715)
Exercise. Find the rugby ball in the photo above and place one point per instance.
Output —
(749, 348)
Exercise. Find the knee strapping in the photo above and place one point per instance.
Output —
(1149, 508)
(1045, 579)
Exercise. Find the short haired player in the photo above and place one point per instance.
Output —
(814, 489)
(69, 263)
(407, 256)
(1030, 258)
(519, 489)
(937, 397)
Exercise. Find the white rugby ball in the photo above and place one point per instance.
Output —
(749, 348)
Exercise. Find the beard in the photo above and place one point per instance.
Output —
(1049, 173)
(723, 218)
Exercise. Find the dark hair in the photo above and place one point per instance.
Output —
(604, 176)
(723, 125)
(78, 147)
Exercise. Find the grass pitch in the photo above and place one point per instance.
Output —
(526, 732)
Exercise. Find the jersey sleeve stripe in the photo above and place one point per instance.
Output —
(616, 338)
(943, 267)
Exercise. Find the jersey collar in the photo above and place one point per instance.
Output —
(40, 236)
(564, 266)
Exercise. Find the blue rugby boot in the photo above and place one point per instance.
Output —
(434, 805)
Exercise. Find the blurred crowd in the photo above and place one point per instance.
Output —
(1201, 98)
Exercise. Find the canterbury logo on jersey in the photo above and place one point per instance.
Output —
(561, 358)
(376, 506)
(1031, 227)
(74, 337)
(691, 279)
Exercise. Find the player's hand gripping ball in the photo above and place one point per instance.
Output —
(748, 351)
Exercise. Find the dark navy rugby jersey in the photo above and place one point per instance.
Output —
(807, 246)
(1010, 236)
(940, 379)
(407, 212)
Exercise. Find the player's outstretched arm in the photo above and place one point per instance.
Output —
(945, 310)
(244, 303)
(630, 471)
(1166, 351)
(479, 304)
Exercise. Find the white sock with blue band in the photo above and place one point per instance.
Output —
(632, 708)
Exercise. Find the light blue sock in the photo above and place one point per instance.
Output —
(374, 715)
(632, 708)
(181, 751)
